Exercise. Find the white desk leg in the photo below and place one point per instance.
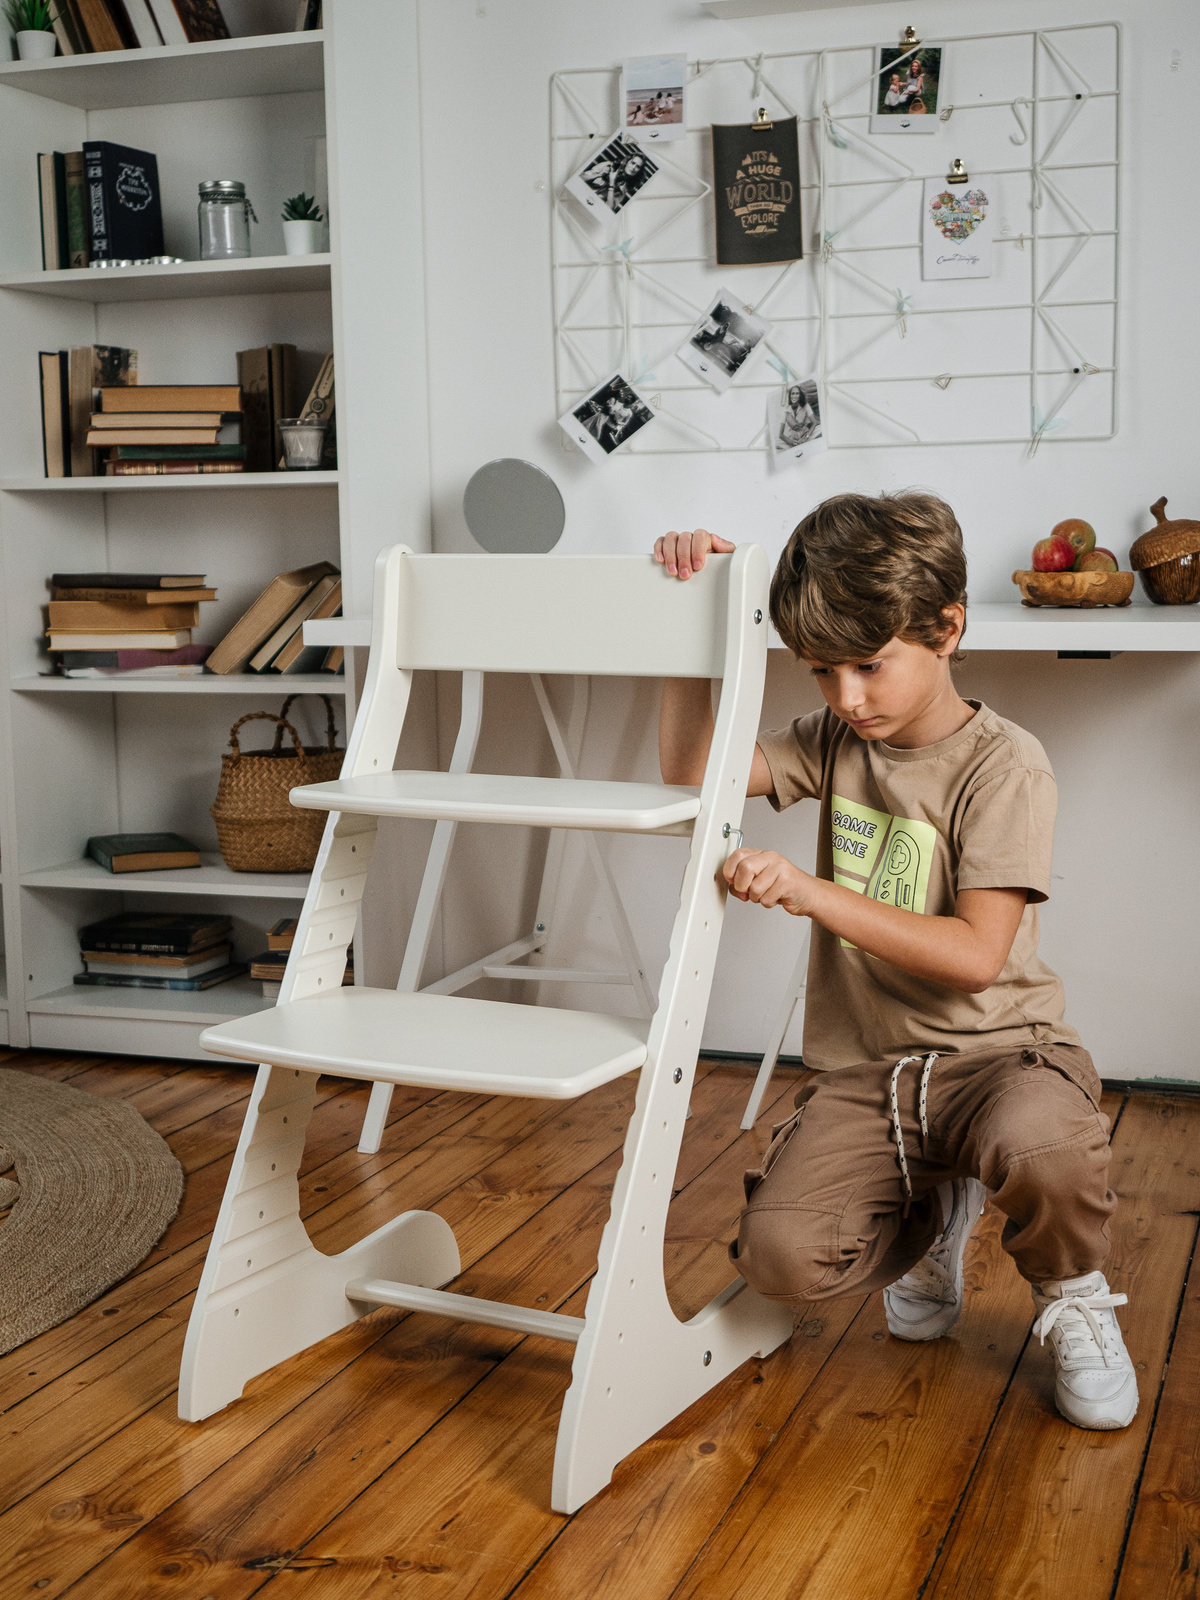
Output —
(795, 988)
(432, 882)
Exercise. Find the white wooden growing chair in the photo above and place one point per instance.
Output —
(266, 1292)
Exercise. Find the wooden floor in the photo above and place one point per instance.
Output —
(408, 1456)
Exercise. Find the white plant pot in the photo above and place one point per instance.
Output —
(302, 238)
(34, 45)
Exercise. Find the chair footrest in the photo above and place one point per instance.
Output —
(440, 1041)
(465, 1308)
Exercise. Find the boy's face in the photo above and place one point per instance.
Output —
(882, 697)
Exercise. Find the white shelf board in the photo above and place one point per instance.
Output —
(228, 69)
(213, 877)
(197, 480)
(735, 10)
(185, 280)
(1012, 626)
(225, 1002)
(217, 683)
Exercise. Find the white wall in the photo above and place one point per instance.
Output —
(1121, 734)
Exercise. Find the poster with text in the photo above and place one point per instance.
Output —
(756, 193)
(957, 229)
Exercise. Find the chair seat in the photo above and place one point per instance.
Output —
(439, 1041)
(491, 797)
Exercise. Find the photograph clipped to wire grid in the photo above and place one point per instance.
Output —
(794, 429)
(725, 342)
(608, 418)
(606, 184)
(957, 228)
(908, 86)
(652, 95)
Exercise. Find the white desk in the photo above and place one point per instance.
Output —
(990, 626)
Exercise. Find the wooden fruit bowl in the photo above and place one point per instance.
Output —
(1074, 588)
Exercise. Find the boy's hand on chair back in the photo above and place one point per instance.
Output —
(685, 553)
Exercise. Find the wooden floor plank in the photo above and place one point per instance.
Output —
(1048, 1504)
(413, 1455)
(470, 1501)
(370, 1415)
(1162, 1556)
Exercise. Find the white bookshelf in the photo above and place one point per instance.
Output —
(82, 756)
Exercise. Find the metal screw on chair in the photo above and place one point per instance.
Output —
(729, 830)
(707, 1358)
(678, 1075)
(539, 927)
(758, 616)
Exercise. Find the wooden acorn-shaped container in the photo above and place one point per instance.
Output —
(1168, 558)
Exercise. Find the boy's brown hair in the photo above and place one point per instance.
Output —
(861, 570)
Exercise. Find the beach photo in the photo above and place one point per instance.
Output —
(652, 97)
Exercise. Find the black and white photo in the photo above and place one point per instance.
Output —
(908, 85)
(725, 339)
(652, 95)
(611, 178)
(794, 430)
(607, 419)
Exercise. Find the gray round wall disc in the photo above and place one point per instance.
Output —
(514, 508)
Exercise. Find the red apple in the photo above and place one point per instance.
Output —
(1097, 560)
(1079, 534)
(1053, 555)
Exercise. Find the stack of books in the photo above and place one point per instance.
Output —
(166, 429)
(142, 852)
(117, 624)
(270, 636)
(157, 950)
(268, 967)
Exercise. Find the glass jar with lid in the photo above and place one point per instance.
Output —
(224, 213)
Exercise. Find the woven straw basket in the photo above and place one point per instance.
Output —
(257, 829)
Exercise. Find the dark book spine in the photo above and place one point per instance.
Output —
(64, 406)
(142, 947)
(60, 208)
(93, 171)
(77, 211)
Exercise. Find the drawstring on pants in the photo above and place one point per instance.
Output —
(922, 1103)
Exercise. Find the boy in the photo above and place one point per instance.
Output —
(956, 1076)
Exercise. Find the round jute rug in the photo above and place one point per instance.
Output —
(93, 1190)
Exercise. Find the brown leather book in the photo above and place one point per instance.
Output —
(101, 30)
(173, 397)
(100, 616)
(138, 597)
(155, 419)
(106, 436)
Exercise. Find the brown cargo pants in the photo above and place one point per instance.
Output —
(827, 1212)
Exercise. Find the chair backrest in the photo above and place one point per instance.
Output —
(614, 615)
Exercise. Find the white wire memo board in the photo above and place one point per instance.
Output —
(1026, 356)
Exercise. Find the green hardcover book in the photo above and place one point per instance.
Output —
(78, 233)
(142, 852)
(60, 208)
(179, 452)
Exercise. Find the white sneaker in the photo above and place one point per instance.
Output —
(925, 1303)
(1096, 1386)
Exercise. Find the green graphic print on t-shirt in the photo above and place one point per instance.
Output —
(885, 857)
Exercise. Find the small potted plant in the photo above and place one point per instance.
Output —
(32, 23)
(302, 221)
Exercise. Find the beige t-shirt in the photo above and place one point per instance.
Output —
(911, 828)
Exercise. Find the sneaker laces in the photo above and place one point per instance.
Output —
(1085, 1306)
(922, 1103)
